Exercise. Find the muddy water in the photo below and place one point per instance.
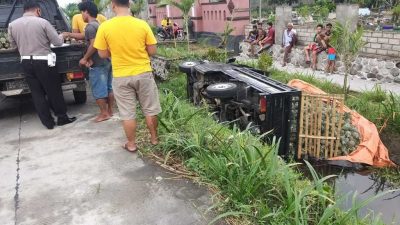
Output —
(366, 184)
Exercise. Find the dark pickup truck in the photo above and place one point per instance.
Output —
(12, 80)
(246, 97)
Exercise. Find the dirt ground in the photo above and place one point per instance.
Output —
(392, 142)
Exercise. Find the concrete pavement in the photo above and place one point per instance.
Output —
(79, 174)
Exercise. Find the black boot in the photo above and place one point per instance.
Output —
(65, 120)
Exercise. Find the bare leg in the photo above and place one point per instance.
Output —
(102, 103)
(152, 124)
(286, 55)
(314, 60)
(130, 132)
(328, 67)
(110, 102)
(332, 66)
(307, 54)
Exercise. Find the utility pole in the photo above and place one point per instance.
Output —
(260, 8)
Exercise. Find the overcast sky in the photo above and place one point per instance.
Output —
(63, 3)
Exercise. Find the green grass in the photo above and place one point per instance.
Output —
(198, 52)
(252, 183)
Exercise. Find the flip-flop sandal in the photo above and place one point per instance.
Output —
(308, 62)
(129, 150)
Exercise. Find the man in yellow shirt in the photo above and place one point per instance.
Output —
(166, 25)
(130, 43)
(78, 25)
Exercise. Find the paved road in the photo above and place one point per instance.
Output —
(79, 174)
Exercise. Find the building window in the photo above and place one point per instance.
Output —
(208, 15)
(212, 15)
(224, 15)
(220, 17)
(205, 15)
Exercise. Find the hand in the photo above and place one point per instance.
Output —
(65, 35)
(86, 62)
(83, 62)
(89, 63)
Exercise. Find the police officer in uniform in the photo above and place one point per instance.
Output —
(32, 36)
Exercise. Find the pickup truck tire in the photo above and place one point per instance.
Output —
(80, 97)
(222, 90)
(187, 66)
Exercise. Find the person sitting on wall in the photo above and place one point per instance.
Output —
(260, 36)
(289, 40)
(252, 35)
(317, 46)
(269, 40)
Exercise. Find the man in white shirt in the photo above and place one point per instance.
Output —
(288, 41)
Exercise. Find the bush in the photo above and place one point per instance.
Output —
(215, 55)
(264, 62)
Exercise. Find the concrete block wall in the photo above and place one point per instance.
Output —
(379, 43)
(382, 43)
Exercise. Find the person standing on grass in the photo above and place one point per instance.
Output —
(288, 42)
(100, 75)
(130, 43)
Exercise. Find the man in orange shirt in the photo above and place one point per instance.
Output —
(130, 42)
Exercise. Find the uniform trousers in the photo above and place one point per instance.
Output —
(45, 85)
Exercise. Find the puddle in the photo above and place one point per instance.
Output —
(367, 185)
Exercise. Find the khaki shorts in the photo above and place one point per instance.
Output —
(129, 90)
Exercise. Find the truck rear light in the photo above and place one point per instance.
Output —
(75, 75)
(263, 104)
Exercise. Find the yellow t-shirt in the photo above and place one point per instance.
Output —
(164, 23)
(126, 37)
(78, 23)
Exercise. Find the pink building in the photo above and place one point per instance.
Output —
(208, 16)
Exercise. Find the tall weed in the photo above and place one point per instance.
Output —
(253, 182)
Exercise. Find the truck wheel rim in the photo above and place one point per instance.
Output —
(222, 86)
(189, 64)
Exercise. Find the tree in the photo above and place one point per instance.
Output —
(396, 14)
(102, 4)
(184, 6)
(347, 42)
(71, 10)
(137, 6)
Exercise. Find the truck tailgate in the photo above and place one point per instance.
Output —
(67, 61)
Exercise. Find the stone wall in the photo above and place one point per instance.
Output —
(379, 43)
(383, 44)
(160, 67)
(382, 71)
(379, 70)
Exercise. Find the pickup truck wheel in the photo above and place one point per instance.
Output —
(80, 97)
(222, 90)
(187, 66)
